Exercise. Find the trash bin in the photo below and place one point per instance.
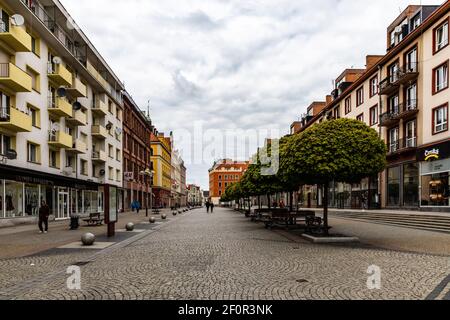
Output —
(74, 222)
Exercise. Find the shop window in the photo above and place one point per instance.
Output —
(435, 190)
(393, 186)
(31, 200)
(411, 185)
(13, 199)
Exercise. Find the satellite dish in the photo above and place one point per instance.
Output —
(109, 126)
(102, 172)
(17, 20)
(55, 127)
(76, 106)
(11, 154)
(57, 60)
(61, 92)
(118, 131)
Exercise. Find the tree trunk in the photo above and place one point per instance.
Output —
(268, 201)
(326, 187)
(291, 201)
(259, 202)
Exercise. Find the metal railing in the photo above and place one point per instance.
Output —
(53, 135)
(402, 144)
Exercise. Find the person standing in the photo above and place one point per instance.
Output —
(44, 213)
(207, 206)
(138, 206)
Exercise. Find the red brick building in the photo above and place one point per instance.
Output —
(222, 174)
(137, 128)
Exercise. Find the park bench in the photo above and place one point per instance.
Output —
(286, 219)
(156, 211)
(95, 219)
(256, 215)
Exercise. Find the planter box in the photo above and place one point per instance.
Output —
(330, 239)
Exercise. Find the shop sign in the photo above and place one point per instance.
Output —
(433, 153)
(435, 167)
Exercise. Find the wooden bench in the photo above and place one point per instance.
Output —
(256, 215)
(95, 219)
(284, 218)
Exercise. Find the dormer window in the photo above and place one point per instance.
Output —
(415, 22)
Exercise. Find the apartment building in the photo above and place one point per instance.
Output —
(183, 195)
(60, 117)
(404, 95)
(136, 153)
(222, 174)
(194, 195)
(177, 184)
(161, 158)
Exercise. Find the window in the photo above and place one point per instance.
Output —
(35, 46)
(5, 143)
(393, 72)
(373, 86)
(440, 78)
(411, 61)
(53, 159)
(69, 161)
(110, 151)
(441, 37)
(348, 105)
(393, 186)
(360, 96)
(118, 158)
(5, 105)
(111, 173)
(337, 112)
(415, 22)
(360, 117)
(35, 115)
(373, 115)
(411, 134)
(33, 152)
(393, 140)
(394, 105)
(35, 79)
(84, 167)
(110, 107)
(118, 175)
(411, 97)
(440, 119)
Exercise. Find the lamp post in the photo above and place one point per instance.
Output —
(147, 173)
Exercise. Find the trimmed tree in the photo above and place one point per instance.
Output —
(342, 150)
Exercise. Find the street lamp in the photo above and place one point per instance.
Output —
(148, 173)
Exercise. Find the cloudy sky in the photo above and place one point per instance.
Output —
(231, 65)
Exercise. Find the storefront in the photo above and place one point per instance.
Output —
(434, 177)
(402, 189)
(22, 191)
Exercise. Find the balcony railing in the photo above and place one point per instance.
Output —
(402, 145)
(389, 85)
(15, 36)
(15, 78)
(389, 118)
(408, 72)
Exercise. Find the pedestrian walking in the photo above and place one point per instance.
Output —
(44, 213)
(207, 206)
(212, 207)
(138, 206)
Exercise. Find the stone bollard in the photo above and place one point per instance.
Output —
(164, 216)
(129, 226)
(152, 220)
(88, 239)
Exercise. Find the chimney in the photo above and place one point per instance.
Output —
(372, 60)
(329, 99)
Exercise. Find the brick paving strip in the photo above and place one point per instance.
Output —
(21, 288)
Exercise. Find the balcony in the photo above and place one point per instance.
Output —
(60, 107)
(100, 108)
(15, 120)
(99, 132)
(408, 73)
(60, 140)
(78, 147)
(16, 37)
(99, 156)
(390, 118)
(15, 78)
(408, 109)
(402, 145)
(390, 85)
(59, 75)
(77, 90)
(79, 118)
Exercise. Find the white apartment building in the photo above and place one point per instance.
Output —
(60, 116)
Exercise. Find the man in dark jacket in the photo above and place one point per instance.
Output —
(44, 213)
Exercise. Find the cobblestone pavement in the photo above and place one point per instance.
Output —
(224, 256)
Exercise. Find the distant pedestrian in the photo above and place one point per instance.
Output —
(207, 206)
(44, 213)
(138, 206)
(212, 207)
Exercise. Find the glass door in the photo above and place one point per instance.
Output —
(63, 205)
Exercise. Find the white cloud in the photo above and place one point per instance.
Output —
(232, 64)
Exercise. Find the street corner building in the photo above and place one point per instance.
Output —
(404, 95)
(223, 174)
(60, 117)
